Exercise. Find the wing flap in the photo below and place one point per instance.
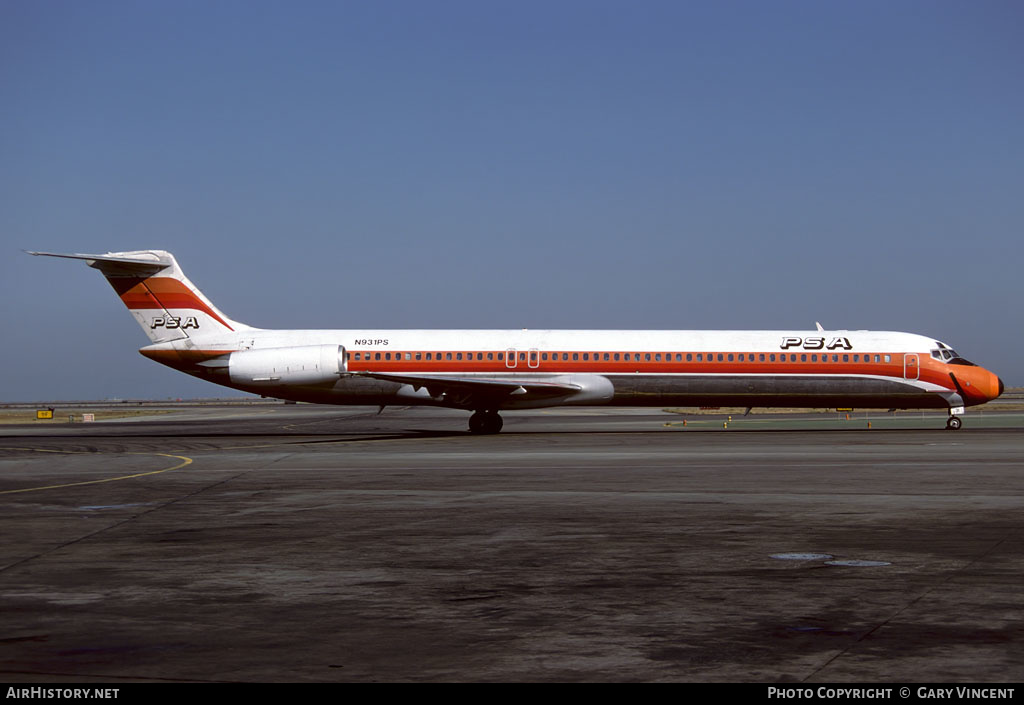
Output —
(471, 392)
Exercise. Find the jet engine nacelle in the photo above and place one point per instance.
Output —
(305, 364)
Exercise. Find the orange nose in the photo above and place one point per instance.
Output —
(978, 385)
(993, 386)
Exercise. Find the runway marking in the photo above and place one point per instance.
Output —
(185, 461)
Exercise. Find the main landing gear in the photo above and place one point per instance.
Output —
(485, 422)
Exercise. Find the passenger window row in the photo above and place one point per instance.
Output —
(620, 357)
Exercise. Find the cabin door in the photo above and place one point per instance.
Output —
(911, 369)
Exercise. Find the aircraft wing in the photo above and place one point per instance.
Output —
(478, 392)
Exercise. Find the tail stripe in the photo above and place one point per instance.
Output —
(166, 293)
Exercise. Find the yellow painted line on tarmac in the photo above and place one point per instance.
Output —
(184, 461)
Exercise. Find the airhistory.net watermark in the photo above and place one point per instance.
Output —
(61, 693)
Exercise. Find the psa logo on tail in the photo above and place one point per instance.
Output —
(172, 322)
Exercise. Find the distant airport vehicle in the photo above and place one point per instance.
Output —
(485, 371)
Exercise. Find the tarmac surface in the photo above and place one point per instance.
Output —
(301, 543)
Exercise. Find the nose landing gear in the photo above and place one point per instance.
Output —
(954, 422)
(485, 422)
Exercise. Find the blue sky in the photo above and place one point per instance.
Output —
(518, 164)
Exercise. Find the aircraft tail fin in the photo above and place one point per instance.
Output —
(159, 295)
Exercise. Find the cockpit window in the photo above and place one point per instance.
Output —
(961, 361)
(949, 355)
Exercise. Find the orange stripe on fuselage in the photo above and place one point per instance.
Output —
(928, 370)
(978, 384)
(160, 293)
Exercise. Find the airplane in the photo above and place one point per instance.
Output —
(487, 371)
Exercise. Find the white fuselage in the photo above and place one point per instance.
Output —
(620, 367)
